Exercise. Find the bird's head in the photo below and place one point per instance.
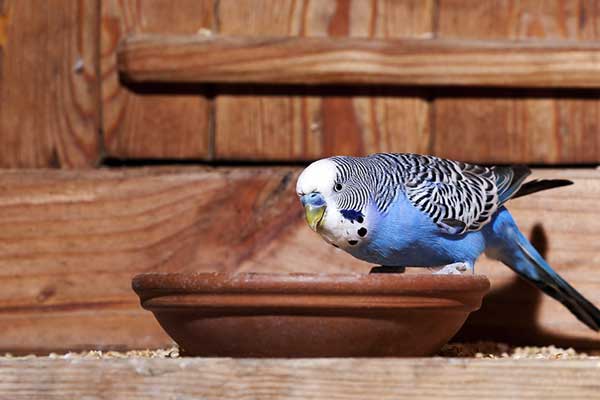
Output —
(335, 200)
(316, 188)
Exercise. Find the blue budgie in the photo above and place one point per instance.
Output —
(398, 210)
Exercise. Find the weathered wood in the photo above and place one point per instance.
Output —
(259, 127)
(71, 241)
(80, 324)
(49, 86)
(539, 129)
(422, 62)
(152, 122)
(364, 379)
(543, 127)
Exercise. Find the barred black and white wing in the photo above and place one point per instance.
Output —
(458, 196)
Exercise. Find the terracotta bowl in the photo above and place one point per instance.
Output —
(308, 315)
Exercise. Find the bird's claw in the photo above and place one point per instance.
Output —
(457, 268)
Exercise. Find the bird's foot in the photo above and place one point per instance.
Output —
(457, 268)
(384, 269)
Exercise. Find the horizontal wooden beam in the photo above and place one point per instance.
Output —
(70, 242)
(303, 60)
(343, 379)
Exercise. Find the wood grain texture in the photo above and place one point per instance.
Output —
(71, 241)
(77, 239)
(49, 86)
(408, 62)
(541, 128)
(152, 122)
(343, 379)
(320, 123)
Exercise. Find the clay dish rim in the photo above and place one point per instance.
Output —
(308, 291)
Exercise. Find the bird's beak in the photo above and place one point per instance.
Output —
(314, 209)
(314, 215)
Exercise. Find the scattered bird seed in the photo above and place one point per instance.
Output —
(487, 350)
(172, 352)
(495, 350)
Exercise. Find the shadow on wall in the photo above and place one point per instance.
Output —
(515, 308)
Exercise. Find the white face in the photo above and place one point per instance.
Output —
(320, 177)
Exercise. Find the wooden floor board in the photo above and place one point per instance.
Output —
(340, 379)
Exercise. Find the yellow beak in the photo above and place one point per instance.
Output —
(314, 215)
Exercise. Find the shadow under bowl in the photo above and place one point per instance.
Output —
(310, 315)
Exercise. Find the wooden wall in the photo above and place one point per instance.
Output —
(49, 95)
(71, 241)
(143, 123)
(79, 218)
(61, 67)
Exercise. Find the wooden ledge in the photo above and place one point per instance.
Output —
(412, 62)
(360, 379)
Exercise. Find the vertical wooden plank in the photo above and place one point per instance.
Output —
(339, 122)
(538, 129)
(147, 122)
(401, 124)
(49, 95)
(259, 126)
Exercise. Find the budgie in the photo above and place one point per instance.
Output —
(398, 210)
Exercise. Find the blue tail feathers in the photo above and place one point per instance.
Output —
(514, 250)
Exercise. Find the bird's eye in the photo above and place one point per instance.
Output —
(337, 187)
